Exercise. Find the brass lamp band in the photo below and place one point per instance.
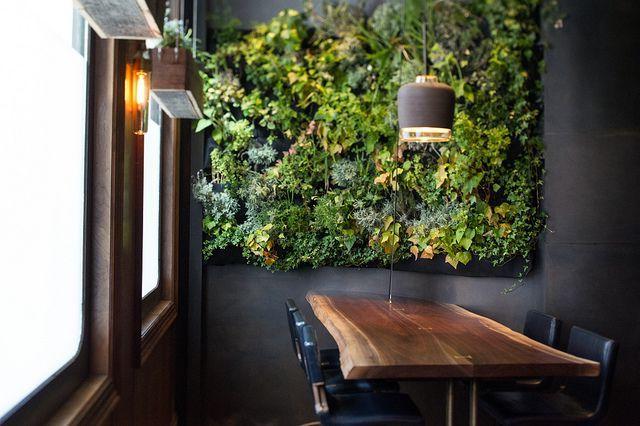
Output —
(425, 134)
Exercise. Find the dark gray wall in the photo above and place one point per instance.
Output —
(592, 138)
(587, 268)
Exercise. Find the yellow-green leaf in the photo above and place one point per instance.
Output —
(427, 253)
(415, 251)
(441, 175)
(451, 261)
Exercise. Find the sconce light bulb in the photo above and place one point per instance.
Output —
(141, 89)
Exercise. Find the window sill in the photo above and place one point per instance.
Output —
(92, 402)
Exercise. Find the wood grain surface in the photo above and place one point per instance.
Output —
(412, 338)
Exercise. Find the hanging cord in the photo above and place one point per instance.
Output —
(425, 20)
(424, 46)
(394, 173)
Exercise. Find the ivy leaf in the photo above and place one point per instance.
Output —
(472, 183)
(427, 253)
(441, 175)
(217, 135)
(203, 124)
(349, 242)
(464, 257)
(503, 209)
(458, 88)
(415, 251)
(466, 243)
(382, 179)
(451, 261)
(335, 149)
(387, 221)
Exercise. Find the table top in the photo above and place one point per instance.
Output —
(413, 338)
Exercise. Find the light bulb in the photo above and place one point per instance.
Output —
(142, 89)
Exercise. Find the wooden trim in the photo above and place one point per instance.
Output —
(97, 395)
(91, 404)
(155, 325)
(103, 218)
(164, 313)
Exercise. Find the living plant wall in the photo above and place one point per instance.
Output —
(303, 114)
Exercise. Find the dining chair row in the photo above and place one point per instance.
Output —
(345, 402)
(549, 401)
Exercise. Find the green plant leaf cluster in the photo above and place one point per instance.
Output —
(303, 112)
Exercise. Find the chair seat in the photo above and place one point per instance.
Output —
(335, 383)
(520, 408)
(387, 409)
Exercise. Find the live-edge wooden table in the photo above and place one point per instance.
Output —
(419, 339)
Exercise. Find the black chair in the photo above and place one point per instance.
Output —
(330, 358)
(333, 378)
(582, 400)
(368, 408)
(542, 328)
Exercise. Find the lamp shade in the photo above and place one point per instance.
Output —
(425, 110)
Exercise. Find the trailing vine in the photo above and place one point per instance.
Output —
(303, 112)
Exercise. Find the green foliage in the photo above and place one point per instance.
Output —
(174, 33)
(322, 87)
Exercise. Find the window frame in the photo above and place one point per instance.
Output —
(152, 298)
(158, 309)
(38, 405)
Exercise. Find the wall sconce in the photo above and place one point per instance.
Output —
(141, 84)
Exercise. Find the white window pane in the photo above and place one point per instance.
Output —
(151, 202)
(42, 166)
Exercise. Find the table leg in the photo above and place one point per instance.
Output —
(449, 402)
(473, 403)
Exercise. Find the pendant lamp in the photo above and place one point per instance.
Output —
(425, 110)
(425, 107)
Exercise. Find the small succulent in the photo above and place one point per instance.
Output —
(262, 156)
(434, 217)
(217, 205)
(344, 172)
(367, 218)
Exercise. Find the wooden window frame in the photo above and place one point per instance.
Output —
(158, 309)
(96, 397)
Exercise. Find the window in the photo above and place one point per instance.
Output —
(151, 201)
(42, 181)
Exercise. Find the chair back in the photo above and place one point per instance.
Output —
(291, 307)
(311, 354)
(542, 328)
(314, 369)
(592, 392)
(299, 323)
